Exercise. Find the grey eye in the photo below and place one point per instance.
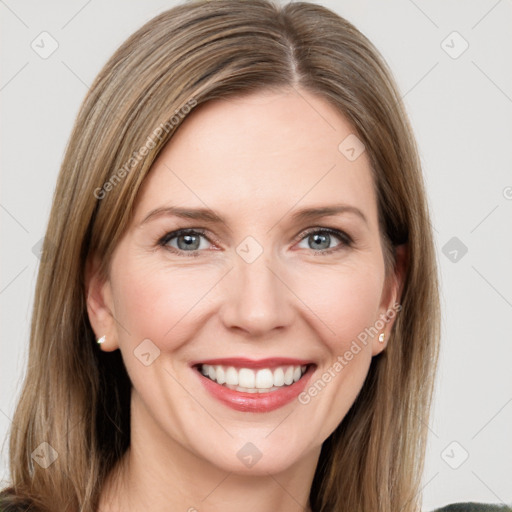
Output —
(188, 242)
(319, 240)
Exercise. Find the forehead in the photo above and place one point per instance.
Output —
(265, 151)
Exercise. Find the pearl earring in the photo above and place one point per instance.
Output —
(382, 336)
(102, 340)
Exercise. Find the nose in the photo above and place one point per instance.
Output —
(257, 300)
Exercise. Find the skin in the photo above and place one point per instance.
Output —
(255, 161)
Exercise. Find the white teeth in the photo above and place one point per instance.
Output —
(220, 374)
(231, 376)
(288, 375)
(246, 378)
(253, 390)
(264, 379)
(253, 381)
(278, 377)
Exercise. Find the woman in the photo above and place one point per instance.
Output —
(285, 363)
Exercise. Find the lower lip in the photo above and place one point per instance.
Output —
(256, 402)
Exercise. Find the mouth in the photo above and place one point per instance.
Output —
(254, 386)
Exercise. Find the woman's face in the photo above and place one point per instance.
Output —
(279, 270)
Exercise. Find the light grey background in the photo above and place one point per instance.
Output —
(461, 114)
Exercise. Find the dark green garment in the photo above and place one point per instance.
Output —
(474, 507)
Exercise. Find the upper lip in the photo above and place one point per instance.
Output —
(243, 362)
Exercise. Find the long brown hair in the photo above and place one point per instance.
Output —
(75, 397)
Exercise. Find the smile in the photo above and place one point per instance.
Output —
(254, 386)
(253, 381)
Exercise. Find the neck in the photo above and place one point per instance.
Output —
(159, 474)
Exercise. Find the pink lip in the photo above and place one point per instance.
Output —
(242, 362)
(256, 402)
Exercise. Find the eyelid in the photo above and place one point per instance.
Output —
(345, 239)
(168, 235)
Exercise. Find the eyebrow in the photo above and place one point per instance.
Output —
(208, 215)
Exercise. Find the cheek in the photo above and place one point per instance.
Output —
(345, 299)
(163, 304)
(345, 302)
(160, 303)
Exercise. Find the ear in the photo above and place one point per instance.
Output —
(98, 294)
(391, 295)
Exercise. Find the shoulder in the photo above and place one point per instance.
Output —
(474, 507)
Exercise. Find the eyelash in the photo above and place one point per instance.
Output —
(346, 240)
